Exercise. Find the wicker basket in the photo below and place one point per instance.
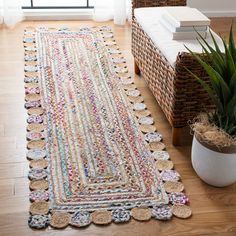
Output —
(157, 3)
(177, 93)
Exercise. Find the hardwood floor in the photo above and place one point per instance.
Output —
(214, 209)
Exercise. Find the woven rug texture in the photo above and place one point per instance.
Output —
(95, 154)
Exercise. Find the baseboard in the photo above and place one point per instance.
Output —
(87, 14)
(219, 13)
(81, 14)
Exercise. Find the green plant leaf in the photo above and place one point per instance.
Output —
(232, 48)
(225, 92)
(220, 65)
(221, 88)
(208, 89)
(232, 131)
(217, 55)
(232, 83)
(231, 106)
(217, 49)
(220, 123)
(207, 68)
(226, 123)
(229, 60)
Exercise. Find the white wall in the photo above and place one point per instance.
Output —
(215, 8)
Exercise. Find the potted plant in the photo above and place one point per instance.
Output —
(214, 142)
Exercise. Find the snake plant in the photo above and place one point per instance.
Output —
(220, 65)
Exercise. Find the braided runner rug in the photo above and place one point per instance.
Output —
(95, 155)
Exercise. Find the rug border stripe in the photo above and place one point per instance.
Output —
(40, 213)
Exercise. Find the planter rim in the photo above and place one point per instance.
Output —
(226, 150)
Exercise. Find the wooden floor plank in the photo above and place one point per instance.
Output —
(214, 209)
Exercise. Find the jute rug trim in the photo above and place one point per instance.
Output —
(41, 213)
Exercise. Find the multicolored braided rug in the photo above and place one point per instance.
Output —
(95, 155)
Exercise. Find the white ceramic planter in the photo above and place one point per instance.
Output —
(215, 168)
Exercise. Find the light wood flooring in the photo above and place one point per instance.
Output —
(214, 209)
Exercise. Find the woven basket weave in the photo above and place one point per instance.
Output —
(157, 3)
(177, 93)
